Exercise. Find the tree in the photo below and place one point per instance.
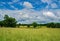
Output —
(18, 25)
(57, 25)
(9, 21)
(34, 24)
(52, 25)
(48, 25)
(28, 25)
(1, 23)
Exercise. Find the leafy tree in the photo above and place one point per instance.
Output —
(34, 24)
(1, 23)
(57, 25)
(52, 25)
(9, 21)
(48, 25)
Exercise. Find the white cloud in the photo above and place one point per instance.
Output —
(20, 13)
(28, 5)
(54, 5)
(48, 13)
(25, 15)
(51, 3)
(30, 15)
(46, 1)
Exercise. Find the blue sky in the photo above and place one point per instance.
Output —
(28, 11)
(37, 4)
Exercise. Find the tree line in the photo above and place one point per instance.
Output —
(53, 25)
(11, 22)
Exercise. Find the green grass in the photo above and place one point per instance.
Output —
(26, 34)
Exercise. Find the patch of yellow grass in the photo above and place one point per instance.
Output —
(29, 34)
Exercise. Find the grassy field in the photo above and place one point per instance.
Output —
(27, 34)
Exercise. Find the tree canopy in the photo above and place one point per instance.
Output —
(8, 21)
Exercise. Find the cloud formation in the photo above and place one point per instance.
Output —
(41, 11)
(27, 5)
(30, 15)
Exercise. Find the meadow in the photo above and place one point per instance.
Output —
(29, 34)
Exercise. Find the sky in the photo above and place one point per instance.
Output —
(28, 11)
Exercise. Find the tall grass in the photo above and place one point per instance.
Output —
(20, 34)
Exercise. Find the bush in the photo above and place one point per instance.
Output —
(28, 25)
(34, 24)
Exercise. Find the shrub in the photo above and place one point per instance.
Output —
(34, 24)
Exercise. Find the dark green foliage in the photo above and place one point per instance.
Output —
(8, 21)
(28, 25)
(57, 25)
(53, 25)
(34, 24)
(1, 23)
